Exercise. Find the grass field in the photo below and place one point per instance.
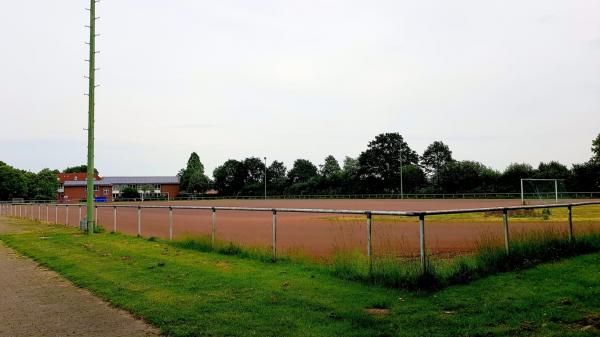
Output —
(189, 293)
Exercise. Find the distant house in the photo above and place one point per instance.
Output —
(74, 187)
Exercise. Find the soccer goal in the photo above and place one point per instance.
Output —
(540, 190)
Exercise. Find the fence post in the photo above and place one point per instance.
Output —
(139, 221)
(170, 223)
(274, 235)
(114, 219)
(47, 213)
(40, 212)
(422, 242)
(570, 211)
(506, 234)
(66, 215)
(79, 221)
(369, 242)
(214, 227)
(95, 216)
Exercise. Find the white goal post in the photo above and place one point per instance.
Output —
(538, 179)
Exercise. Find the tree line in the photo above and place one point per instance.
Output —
(16, 183)
(377, 171)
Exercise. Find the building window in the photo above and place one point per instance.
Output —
(106, 191)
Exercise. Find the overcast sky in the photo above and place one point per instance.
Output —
(498, 81)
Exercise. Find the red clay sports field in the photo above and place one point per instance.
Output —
(321, 234)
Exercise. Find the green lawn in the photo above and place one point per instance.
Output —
(190, 293)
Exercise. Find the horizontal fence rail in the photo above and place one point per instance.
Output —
(482, 195)
(41, 212)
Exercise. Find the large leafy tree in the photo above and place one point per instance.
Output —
(276, 177)
(230, 177)
(255, 170)
(330, 168)
(379, 165)
(192, 178)
(585, 177)
(435, 156)
(302, 171)
(14, 183)
(45, 185)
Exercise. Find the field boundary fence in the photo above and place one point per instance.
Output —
(41, 212)
(486, 195)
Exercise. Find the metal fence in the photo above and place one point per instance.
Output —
(484, 195)
(41, 212)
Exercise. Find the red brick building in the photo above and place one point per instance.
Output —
(110, 188)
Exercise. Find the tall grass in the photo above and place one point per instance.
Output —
(525, 251)
(204, 244)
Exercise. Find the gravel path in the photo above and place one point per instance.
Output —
(37, 302)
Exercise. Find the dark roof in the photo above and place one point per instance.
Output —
(142, 180)
(62, 177)
(108, 181)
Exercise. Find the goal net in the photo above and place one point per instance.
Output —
(541, 191)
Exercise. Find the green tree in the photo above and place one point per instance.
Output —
(192, 179)
(510, 180)
(351, 166)
(302, 171)
(230, 177)
(276, 177)
(129, 193)
(552, 170)
(466, 177)
(255, 170)
(435, 156)
(414, 178)
(585, 177)
(596, 149)
(45, 185)
(330, 168)
(379, 165)
(13, 183)
(78, 169)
